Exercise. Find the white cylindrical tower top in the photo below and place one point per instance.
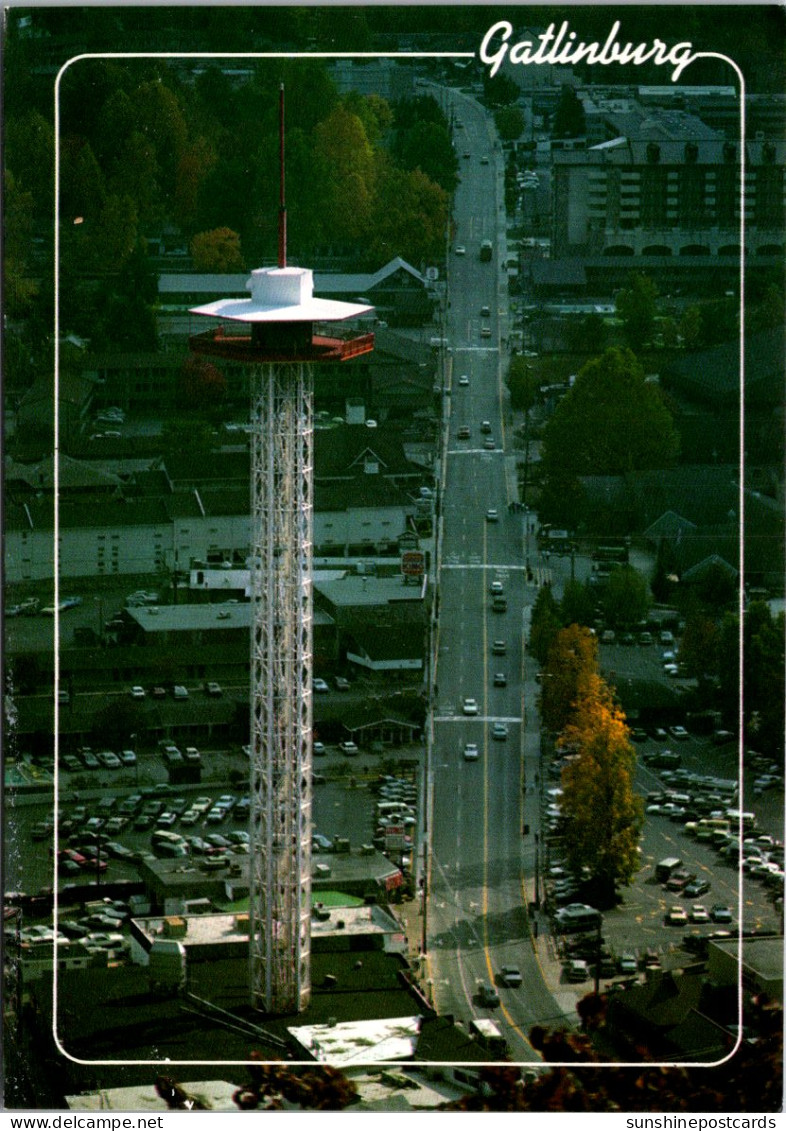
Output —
(280, 286)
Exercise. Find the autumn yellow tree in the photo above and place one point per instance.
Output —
(572, 658)
(601, 814)
(217, 251)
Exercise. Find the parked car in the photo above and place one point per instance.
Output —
(696, 887)
(348, 748)
(577, 970)
(320, 685)
(627, 963)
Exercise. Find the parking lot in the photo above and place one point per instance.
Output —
(117, 811)
(662, 924)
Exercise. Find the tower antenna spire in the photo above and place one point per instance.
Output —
(282, 207)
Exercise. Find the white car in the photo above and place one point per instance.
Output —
(460, 249)
(318, 750)
(320, 685)
(348, 748)
(463, 379)
(471, 753)
(470, 707)
(137, 692)
(676, 916)
(492, 515)
(679, 733)
(699, 914)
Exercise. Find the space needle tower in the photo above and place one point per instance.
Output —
(280, 332)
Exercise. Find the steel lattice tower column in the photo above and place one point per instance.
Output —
(281, 717)
(280, 331)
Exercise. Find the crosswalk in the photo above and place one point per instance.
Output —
(536, 576)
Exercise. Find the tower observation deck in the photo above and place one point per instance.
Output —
(280, 331)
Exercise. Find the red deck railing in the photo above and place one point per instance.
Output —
(236, 345)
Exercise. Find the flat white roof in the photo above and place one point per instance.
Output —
(360, 1042)
(281, 294)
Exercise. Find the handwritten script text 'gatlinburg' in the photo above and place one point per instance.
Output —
(560, 49)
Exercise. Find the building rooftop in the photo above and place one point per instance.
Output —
(341, 921)
(353, 590)
(360, 1042)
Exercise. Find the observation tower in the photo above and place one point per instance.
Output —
(279, 332)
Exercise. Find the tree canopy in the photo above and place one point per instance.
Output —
(637, 306)
(601, 815)
(612, 421)
(572, 659)
(626, 598)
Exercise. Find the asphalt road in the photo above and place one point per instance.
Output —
(476, 917)
(485, 812)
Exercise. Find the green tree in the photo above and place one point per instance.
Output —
(135, 173)
(626, 597)
(114, 238)
(544, 625)
(569, 117)
(698, 646)
(82, 182)
(196, 162)
(572, 660)
(637, 306)
(499, 89)
(409, 218)
(510, 123)
(612, 421)
(587, 335)
(20, 289)
(691, 326)
(341, 142)
(601, 814)
(578, 603)
(375, 113)
(522, 383)
(427, 146)
(763, 675)
(30, 155)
